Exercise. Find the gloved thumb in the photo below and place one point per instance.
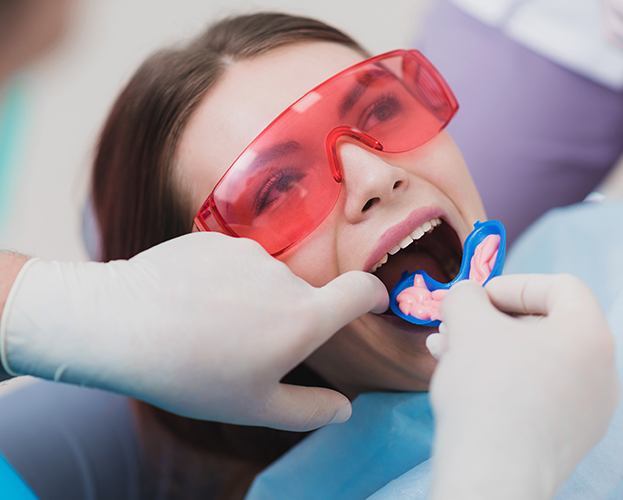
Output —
(297, 408)
(464, 306)
(347, 297)
(538, 294)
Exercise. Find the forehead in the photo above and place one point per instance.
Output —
(248, 96)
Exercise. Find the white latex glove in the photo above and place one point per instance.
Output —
(519, 400)
(204, 326)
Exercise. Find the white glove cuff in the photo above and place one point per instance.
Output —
(8, 309)
(62, 321)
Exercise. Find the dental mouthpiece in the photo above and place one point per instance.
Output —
(417, 297)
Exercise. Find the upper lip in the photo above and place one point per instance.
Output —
(395, 234)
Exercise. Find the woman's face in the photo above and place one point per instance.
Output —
(384, 199)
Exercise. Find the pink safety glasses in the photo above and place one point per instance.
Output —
(286, 182)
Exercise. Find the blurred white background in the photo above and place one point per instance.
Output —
(69, 93)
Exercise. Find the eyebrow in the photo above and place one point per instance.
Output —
(354, 94)
(274, 152)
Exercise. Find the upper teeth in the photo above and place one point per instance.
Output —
(427, 227)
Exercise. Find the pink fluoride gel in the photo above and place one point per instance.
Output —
(420, 302)
(484, 259)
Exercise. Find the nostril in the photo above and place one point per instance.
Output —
(397, 184)
(370, 203)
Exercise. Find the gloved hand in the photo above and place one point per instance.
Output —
(204, 326)
(519, 399)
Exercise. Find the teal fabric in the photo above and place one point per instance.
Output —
(383, 452)
(585, 240)
(11, 485)
(388, 434)
(11, 112)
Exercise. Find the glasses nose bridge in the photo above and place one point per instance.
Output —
(354, 134)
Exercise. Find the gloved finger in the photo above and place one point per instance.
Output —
(465, 303)
(437, 344)
(344, 299)
(357, 292)
(536, 294)
(297, 408)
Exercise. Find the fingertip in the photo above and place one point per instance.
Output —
(343, 300)
(463, 290)
(362, 289)
(342, 414)
(465, 302)
(382, 295)
(368, 284)
(302, 409)
(464, 285)
(436, 343)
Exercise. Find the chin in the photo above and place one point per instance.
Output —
(375, 353)
(402, 348)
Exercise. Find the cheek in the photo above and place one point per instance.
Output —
(315, 259)
(454, 179)
(441, 163)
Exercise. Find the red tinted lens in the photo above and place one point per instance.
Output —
(283, 185)
(280, 192)
(411, 107)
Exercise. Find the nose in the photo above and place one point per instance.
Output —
(369, 181)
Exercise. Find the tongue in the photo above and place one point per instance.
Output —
(407, 260)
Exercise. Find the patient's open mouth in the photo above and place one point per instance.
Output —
(434, 247)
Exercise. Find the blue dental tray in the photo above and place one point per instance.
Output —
(480, 232)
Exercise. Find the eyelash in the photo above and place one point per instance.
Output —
(385, 100)
(275, 181)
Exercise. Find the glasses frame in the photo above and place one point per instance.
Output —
(209, 209)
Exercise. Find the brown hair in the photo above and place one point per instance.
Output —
(137, 206)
